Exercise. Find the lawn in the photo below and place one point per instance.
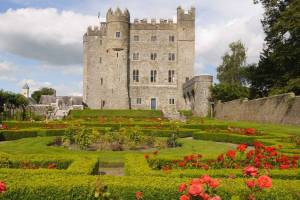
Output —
(27, 157)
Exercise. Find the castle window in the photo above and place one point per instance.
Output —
(118, 34)
(171, 56)
(136, 38)
(100, 42)
(153, 38)
(100, 60)
(171, 38)
(171, 77)
(153, 76)
(101, 81)
(139, 101)
(172, 101)
(153, 56)
(135, 75)
(136, 56)
(186, 79)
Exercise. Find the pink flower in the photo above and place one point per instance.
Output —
(250, 171)
(215, 198)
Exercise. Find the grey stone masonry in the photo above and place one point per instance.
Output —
(138, 65)
(197, 94)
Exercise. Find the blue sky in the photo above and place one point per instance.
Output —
(41, 40)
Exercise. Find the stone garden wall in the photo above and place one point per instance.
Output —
(283, 109)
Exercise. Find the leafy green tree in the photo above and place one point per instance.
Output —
(230, 71)
(22, 102)
(36, 95)
(278, 69)
(228, 92)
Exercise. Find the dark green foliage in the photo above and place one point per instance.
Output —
(226, 92)
(279, 65)
(83, 114)
(36, 95)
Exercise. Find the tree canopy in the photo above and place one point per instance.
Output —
(278, 70)
(36, 95)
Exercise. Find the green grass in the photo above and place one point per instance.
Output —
(76, 182)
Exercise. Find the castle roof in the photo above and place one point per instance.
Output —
(25, 86)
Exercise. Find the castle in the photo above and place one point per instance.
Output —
(139, 65)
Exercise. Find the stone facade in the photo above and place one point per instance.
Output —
(139, 65)
(279, 109)
(197, 94)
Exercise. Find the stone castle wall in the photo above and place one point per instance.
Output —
(111, 79)
(283, 109)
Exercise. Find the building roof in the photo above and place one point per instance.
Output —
(65, 100)
(25, 86)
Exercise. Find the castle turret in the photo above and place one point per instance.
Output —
(117, 66)
(186, 45)
(25, 90)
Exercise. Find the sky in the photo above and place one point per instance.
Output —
(41, 40)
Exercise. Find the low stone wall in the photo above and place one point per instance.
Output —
(40, 110)
(282, 109)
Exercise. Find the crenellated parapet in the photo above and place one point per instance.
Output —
(183, 15)
(153, 21)
(118, 15)
(96, 30)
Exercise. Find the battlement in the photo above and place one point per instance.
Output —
(118, 15)
(153, 21)
(183, 15)
(96, 30)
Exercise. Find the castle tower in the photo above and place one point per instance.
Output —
(186, 48)
(105, 83)
(117, 50)
(25, 90)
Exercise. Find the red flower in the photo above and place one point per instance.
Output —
(213, 183)
(182, 187)
(184, 197)
(250, 154)
(251, 197)
(250, 131)
(2, 187)
(181, 163)
(146, 156)
(250, 171)
(51, 166)
(138, 195)
(196, 181)
(195, 189)
(221, 158)
(242, 147)
(251, 184)
(264, 182)
(206, 179)
(205, 167)
(231, 154)
(284, 166)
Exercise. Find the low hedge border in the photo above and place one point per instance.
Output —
(7, 135)
(50, 186)
(136, 165)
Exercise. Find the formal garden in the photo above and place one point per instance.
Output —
(121, 154)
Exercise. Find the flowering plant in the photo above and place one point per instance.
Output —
(203, 188)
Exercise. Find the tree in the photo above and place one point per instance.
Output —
(22, 102)
(230, 71)
(36, 95)
(227, 92)
(278, 69)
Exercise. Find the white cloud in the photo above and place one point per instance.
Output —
(7, 70)
(46, 35)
